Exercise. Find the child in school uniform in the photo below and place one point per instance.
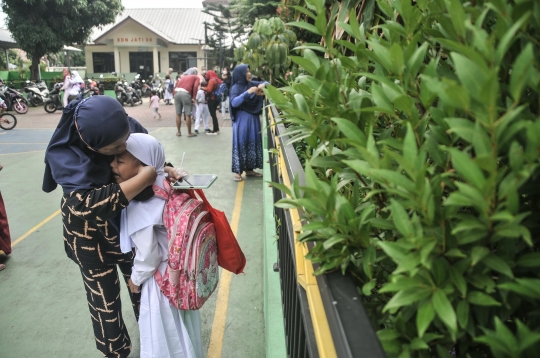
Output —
(165, 331)
(154, 102)
(202, 114)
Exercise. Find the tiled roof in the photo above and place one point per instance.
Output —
(179, 26)
(7, 41)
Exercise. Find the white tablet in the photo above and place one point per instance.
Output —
(195, 181)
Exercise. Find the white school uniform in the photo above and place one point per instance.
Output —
(203, 114)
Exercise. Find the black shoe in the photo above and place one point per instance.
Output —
(207, 130)
(196, 131)
(211, 133)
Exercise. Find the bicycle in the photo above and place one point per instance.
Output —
(7, 121)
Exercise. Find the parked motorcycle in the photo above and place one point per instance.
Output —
(15, 100)
(132, 95)
(53, 102)
(146, 90)
(36, 92)
(120, 91)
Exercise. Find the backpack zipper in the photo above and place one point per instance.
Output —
(193, 235)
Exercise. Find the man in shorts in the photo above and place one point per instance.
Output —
(186, 91)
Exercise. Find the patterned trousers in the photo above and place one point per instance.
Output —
(103, 293)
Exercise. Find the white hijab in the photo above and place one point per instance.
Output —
(76, 78)
(141, 214)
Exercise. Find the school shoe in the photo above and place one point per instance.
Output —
(212, 133)
(196, 131)
(207, 130)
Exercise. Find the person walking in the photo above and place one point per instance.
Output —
(5, 236)
(202, 111)
(168, 92)
(77, 158)
(154, 102)
(186, 91)
(225, 97)
(213, 84)
(246, 102)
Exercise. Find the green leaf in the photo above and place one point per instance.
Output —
(396, 55)
(424, 317)
(458, 17)
(366, 289)
(467, 168)
(497, 264)
(350, 130)
(401, 219)
(415, 62)
(463, 313)
(521, 71)
(470, 74)
(444, 310)
(392, 250)
(529, 260)
(509, 37)
(407, 297)
(305, 26)
(418, 344)
(478, 253)
(458, 281)
(481, 299)
(332, 241)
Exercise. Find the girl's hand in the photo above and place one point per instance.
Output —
(173, 174)
(133, 287)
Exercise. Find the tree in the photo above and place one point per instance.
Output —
(41, 27)
(13, 58)
(249, 11)
(224, 31)
(267, 49)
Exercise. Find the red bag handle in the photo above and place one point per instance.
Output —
(200, 192)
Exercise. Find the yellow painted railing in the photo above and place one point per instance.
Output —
(304, 268)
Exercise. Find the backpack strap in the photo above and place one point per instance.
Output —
(163, 193)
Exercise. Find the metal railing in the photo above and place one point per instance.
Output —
(323, 315)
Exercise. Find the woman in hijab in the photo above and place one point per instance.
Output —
(213, 83)
(89, 134)
(5, 237)
(165, 331)
(245, 107)
(75, 81)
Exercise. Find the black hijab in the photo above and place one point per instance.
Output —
(95, 122)
(252, 103)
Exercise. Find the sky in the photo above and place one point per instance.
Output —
(142, 4)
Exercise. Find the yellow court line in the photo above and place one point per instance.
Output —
(32, 151)
(220, 315)
(21, 143)
(35, 228)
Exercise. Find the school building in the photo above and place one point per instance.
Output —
(150, 41)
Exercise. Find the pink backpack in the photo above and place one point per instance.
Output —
(192, 272)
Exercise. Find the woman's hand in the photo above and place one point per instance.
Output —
(133, 287)
(148, 174)
(252, 90)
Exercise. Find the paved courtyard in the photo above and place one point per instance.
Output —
(43, 304)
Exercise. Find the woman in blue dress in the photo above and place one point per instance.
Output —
(246, 101)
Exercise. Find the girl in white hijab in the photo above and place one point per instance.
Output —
(165, 330)
(75, 82)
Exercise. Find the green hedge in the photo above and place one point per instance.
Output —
(423, 168)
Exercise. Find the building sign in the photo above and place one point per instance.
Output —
(134, 39)
(143, 49)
